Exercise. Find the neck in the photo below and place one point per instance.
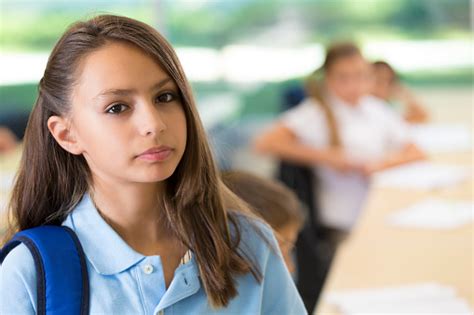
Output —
(350, 103)
(133, 211)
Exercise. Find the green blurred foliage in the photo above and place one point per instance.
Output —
(36, 25)
(220, 23)
(386, 19)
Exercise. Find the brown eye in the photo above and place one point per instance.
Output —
(116, 109)
(166, 97)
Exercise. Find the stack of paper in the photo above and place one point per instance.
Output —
(439, 138)
(422, 175)
(425, 298)
(434, 214)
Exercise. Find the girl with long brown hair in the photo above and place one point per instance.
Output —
(115, 150)
(343, 132)
(344, 136)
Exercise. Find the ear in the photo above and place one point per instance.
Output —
(62, 132)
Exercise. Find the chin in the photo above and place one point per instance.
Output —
(353, 102)
(158, 176)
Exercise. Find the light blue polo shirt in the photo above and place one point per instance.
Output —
(123, 281)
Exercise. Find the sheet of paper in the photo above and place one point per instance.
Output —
(422, 175)
(434, 214)
(428, 307)
(424, 298)
(440, 138)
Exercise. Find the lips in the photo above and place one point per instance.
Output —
(156, 154)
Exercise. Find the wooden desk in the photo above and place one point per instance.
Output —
(379, 255)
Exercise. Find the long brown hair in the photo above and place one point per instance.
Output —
(316, 90)
(51, 181)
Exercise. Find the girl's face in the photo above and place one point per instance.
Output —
(383, 82)
(127, 118)
(349, 78)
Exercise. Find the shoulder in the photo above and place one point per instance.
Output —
(252, 230)
(19, 262)
(378, 107)
(278, 292)
(307, 108)
(307, 121)
(18, 282)
(256, 238)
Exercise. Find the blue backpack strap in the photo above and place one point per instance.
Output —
(61, 270)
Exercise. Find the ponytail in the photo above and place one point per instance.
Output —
(316, 90)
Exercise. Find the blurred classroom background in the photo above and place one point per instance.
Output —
(241, 56)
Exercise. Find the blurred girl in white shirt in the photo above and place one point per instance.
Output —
(344, 134)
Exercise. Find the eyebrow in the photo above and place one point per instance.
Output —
(125, 92)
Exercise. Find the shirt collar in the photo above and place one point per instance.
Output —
(104, 248)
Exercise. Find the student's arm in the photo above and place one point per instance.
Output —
(414, 112)
(281, 142)
(400, 148)
(18, 283)
(409, 153)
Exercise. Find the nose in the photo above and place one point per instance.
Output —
(357, 88)
(150, 121)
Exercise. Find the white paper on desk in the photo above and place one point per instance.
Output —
(442, 306)
(440, 138)
(434, 214)
(425, 298)
(422, 175)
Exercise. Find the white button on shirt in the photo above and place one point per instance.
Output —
(148, 269)
(368, 132)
